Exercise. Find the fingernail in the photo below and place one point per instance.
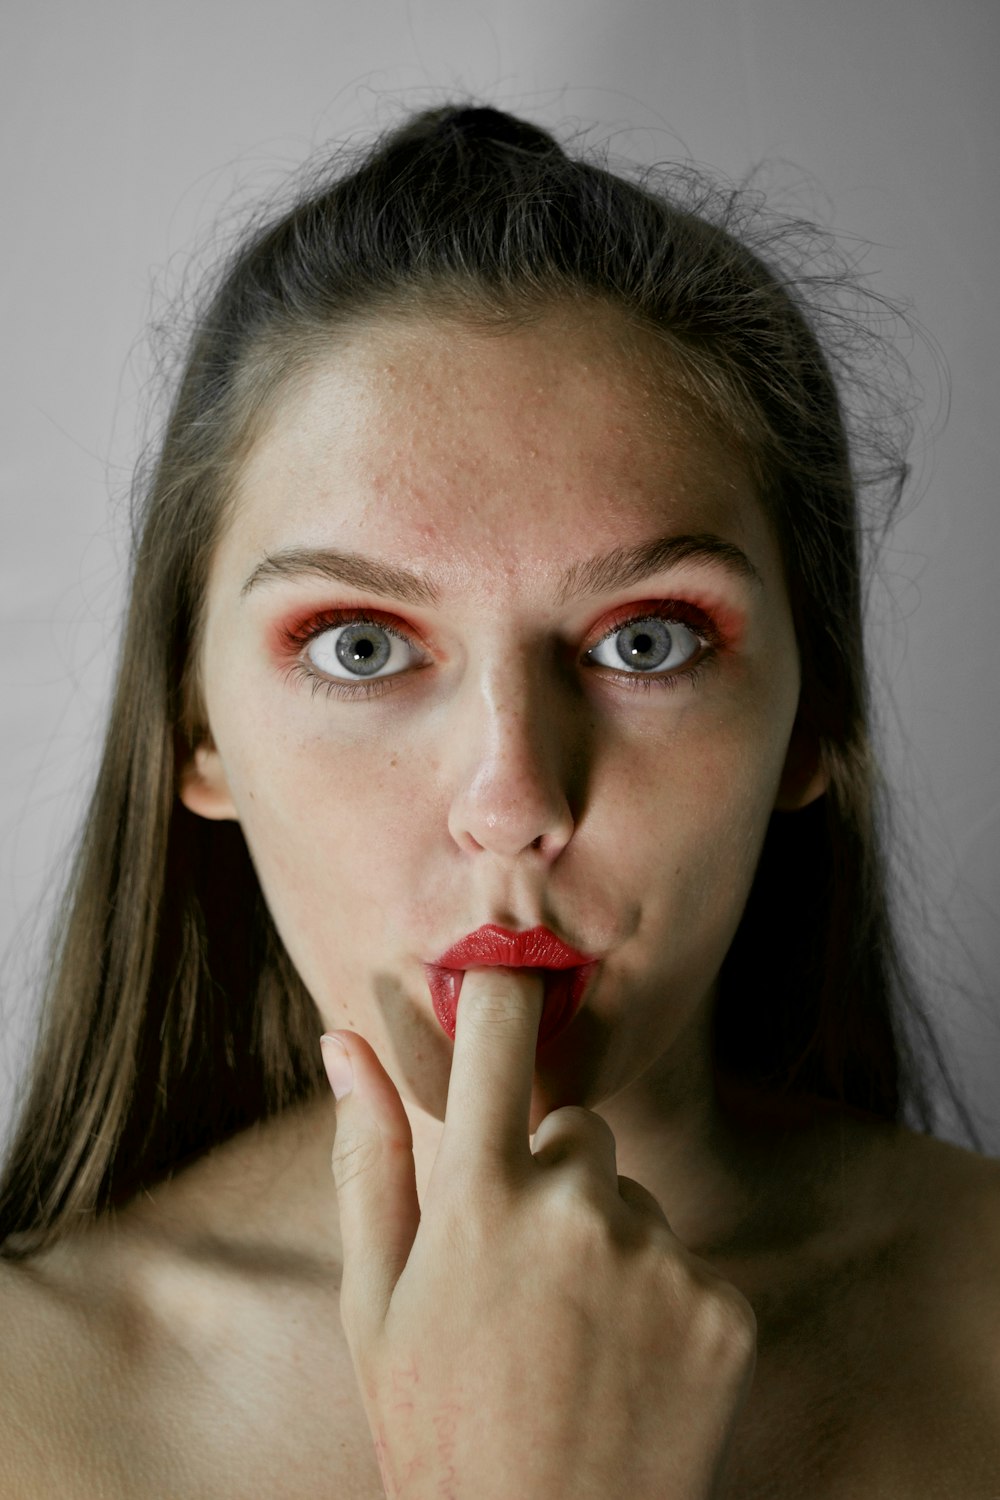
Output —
(337, 1064)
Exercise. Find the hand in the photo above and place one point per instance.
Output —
(537, 1332)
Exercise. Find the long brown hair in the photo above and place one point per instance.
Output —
(172, 1015)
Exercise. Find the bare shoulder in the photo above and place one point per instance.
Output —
(54, 1365)
(81, 1413)
(955, 1204)
(952, 1205)
(928, 1334)
(878, 1370)
(23, 1390)
(933, 1261)
(137, 1364)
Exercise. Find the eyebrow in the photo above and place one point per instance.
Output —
(624, 566)
(344, 567)
(620, 568)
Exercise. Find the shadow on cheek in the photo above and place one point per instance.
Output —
(421, 1061)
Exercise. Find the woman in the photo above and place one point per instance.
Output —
(492, 696)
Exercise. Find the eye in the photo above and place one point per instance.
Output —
(648, 644)
(360, 649)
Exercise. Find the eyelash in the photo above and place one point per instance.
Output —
(295, 639)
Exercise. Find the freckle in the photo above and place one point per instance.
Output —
(394, 762)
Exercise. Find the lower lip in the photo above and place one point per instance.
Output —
(564, 990)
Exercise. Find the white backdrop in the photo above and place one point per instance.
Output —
(127, 129)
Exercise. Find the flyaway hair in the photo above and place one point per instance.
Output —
(172, 1016)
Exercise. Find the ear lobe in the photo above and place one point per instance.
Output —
(804, 777)
(202, 785)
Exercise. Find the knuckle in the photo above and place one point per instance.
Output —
(583, 1220)
(574, 1114)
(731, 1309)
(716, 1312)
(640, 1198)
(569, 1125)
(727, 1323)
(742, 1324)
(353, 1156)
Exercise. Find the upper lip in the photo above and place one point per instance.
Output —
(536, 948)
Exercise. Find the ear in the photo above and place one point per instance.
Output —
(804, 777)
(202, 784)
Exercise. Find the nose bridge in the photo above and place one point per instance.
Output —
(516, 754)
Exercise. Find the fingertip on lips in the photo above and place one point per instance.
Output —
(564, 989)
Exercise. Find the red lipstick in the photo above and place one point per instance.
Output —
(566, 972)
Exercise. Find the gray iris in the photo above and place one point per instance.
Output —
(644, 644)
(363, 649)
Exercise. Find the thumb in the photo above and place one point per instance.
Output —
(376, 1182)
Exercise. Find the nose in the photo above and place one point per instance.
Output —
(518, 750)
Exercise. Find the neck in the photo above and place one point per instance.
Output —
(674, 1134)
(731, 1175)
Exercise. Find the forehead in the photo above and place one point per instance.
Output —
(436, 444)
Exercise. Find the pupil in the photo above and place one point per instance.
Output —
(364, 649)
(646, 645)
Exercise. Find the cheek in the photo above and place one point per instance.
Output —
(332, 830)
(691, 818)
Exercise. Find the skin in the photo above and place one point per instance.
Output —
(195, 1336)
(503, 777)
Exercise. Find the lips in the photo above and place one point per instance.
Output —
(565, 972)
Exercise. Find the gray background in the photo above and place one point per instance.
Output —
(129, 129)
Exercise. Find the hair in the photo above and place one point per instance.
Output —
(173, 1017)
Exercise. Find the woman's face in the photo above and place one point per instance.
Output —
(570, 705)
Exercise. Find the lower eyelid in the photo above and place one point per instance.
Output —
(344, 687)
(686, 675)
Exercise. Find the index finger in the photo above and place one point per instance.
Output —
(493, 1064)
